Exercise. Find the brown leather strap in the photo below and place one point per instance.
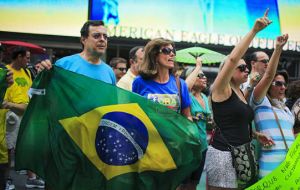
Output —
(277, 121)
(179, 90)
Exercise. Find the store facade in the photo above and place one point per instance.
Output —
(216, 25)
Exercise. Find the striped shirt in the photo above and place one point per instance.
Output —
(265, 123)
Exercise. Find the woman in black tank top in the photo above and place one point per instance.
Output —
(231, 112)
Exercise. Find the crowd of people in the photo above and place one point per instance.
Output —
(247, 100)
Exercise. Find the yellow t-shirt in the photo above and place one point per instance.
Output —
(16, 93)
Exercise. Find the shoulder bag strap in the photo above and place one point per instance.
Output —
(179, 91)
(277, 121)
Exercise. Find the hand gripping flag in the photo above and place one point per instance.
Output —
(80, 133)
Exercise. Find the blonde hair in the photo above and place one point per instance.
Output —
(148, 69)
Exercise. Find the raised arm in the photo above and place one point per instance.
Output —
(262, 87)
(191, 79)
(221, 85)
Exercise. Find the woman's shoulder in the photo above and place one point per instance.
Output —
(138, 79)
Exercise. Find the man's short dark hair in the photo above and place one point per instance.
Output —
(84, 32)
(19, 50)
(132, 52)
(249, 58)
(114, 61)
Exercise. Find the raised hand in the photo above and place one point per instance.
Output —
(254, 78)
(262, 22)
(281, 40)
(198, 62)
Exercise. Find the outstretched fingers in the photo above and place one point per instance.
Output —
(266, 12)
(265, 18)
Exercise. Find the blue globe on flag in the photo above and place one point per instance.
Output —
(121, 139)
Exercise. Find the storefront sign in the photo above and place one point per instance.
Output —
(194, 37)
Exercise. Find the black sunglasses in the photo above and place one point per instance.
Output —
(265, 61)
(167, 51)
(122, 69)
(201, 75)
(242, 67)
(279, 83)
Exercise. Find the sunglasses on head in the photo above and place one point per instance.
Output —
(242, 67)
(201, 75)
(167, 51)
(265, 61)
(279, 83)
(122, 69)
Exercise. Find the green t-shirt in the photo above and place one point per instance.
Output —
(201, 114)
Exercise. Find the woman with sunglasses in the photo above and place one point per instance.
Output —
(200, 110)
(231, 113)
(272, 117)
(157, 81)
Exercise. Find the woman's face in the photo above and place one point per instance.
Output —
(201, 82)
(166, 57)
(278, 87)
(241, 72)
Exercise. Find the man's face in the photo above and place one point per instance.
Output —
(120, 70)
(96, 42)
(22, 61)
(260, 64)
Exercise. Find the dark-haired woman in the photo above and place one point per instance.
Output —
(232, 114)
(272, 117)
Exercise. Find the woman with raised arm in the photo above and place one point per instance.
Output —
(232, 114)
(272, 117)
(200, 110)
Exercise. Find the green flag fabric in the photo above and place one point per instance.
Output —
(79, 133)
(3, 83)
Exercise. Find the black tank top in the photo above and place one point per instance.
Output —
(232, 116)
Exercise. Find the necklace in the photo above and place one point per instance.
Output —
(278, 103)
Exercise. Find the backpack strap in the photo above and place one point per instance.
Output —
(27, 73)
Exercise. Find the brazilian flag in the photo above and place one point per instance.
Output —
(3, 83)
(83, 134)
